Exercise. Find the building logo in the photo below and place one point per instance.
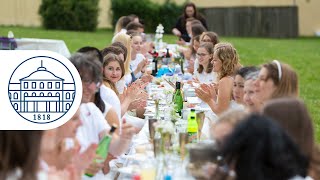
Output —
(42, 89)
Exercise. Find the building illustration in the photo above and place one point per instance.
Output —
(41, 93)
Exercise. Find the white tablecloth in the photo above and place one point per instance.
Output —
(57, 46)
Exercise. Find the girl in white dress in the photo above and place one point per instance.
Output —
(113, 71)
(225, 63)
(204, 73)
(138, 62)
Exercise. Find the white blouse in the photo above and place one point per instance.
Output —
(205, 77)
(109, 96)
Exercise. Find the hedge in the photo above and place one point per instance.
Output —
(151, 13)
(70, 14)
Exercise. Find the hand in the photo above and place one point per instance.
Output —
(181, 42)
(83, 160)
(210, 88)
(65, 155)
(141, 65)
(138, 103)
(132, 91)
(95, 167)
(127, 130)
(176, 32)
(205, 96)
(106, 167)
(196, 80)
(147, 78)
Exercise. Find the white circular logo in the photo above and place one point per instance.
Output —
(42, 89)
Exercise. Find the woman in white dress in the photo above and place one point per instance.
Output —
(94, 126)
(113, 71)
(225, 63)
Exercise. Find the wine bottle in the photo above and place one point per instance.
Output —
(166, 59)
(103, 148)
(154, 66)
(178, 99)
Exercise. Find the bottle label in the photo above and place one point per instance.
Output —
(153, 66)
(192, 137)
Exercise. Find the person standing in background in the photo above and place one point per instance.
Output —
(179, 30)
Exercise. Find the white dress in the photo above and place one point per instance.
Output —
(127, 78)
(109, 96)
(134, 64)
(205, 77)
(93, 123)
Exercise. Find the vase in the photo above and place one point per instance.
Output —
(166, 142)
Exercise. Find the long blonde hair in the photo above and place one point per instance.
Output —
(118, 26)
(126, 41)
(229, 58)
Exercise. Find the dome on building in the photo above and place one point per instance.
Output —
(42, 74)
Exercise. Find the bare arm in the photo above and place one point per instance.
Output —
(176, 32)
(223, 96)
(112, 117)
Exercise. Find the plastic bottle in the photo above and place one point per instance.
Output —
(192, 127)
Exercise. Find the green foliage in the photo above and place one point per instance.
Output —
(151, 13)
(70, 14)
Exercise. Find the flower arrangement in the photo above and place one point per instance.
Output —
(166, 130)
(158, 37)
(165, 127)
(156, 97)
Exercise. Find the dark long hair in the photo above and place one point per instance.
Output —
(261, 150)
(20, 150)
(89, 70)
(93, 51)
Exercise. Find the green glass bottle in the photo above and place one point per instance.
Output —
(192, 127)
(178, 99)
(103, 147)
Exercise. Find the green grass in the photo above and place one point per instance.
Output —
(303, 54)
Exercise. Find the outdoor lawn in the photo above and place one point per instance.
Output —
(303, 54)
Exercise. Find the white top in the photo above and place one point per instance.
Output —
(109, 96)
(127, 78)
(195, 65)
(120, 85)
(93, 123)
(236, 106)
(205, 77)
(106, 108)
(134, 64)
